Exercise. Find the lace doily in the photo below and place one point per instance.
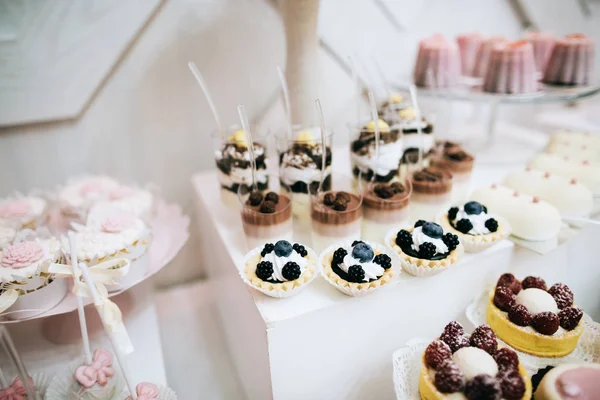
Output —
(407, 367)
(587, 350)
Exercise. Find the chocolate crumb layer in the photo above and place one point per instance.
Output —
(325, 214)
(385, 196)
(454, 157)
(268, 212)
(431, 180)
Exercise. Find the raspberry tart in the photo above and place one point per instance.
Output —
(459, 366)
(476, 228)
(425, 249)
(357, 268)
(570, 382)
(280, 269)
(533, 318)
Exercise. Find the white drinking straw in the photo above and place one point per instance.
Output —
(80, 311)
(377, 134)
(286, 100)
(413, 96)
(113, 341)
(323, 143)
(209, 99)
(246, 126)
(11, 351)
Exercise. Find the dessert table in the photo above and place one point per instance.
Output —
(323, 344)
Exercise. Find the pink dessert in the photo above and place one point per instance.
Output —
(438, 63)
(542, 43)
(484, 52)
(16, 390)
(511, 69)
(146, 391)
(571, 61)
(468, 44)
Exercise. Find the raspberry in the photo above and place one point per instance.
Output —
(419, 223)
(545, 323)
(298, 248)
(291, 271)
(562, 295)
(504, 298)
(269, 247)
(356, 274)
(404, 238)
(338, 256)
(452, 213)
(491, 224)
(533, 282)
(464, 225)
(511, 384)
(506, 359)
(328, 199)
(255, 198)
(272, 196)
(509, 281)
(483, 387)
(449, 378)
(484, 338)
(451, 241)
(384, 260)
(455, 340)
(519, 315)
(436, 353)
(569, 317)
(267, 207)
(427, 250)
(454, 328)
(264, 270)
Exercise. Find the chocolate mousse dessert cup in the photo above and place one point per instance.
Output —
(385, 206)
(431, 192)
(336, 214)
(454, 158)
(265, 217)
(300, 164)
(234, 168)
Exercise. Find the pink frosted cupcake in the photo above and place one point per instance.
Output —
(482, 57)
(511, 70)
(468, 44)
(542, 43)
(438, 63)
(571, 61)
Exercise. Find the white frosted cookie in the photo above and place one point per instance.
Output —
(576, 145)
(585, 172)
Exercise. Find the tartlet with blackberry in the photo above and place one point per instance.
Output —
(533, 318)
(425, 249)
(459, 366)
(475, 227)
(281, 269)
(357, 268)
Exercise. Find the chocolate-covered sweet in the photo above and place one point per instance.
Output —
(431, 181)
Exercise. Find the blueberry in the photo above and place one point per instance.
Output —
(283, 248)
(473, 208)
(363, 252)
(432, 230)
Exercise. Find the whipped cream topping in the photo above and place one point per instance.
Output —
(233, 152)
(473, 361)
(372, 270)
(419, 238)
(25, 259)
(477, 220)
(389, 158)
(537, 301)
(279, 263)
(413, 141)
(299, 167)
(242, 176)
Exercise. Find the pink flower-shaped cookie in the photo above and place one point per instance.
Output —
(117, 223)
(146, 391)
(120, 192)
(21, 255)
(15, 208)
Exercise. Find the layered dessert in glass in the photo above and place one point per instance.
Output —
(431, 192)
(235, 168)
(385, 206)
(336, 214)
(454, 158)
(265, 218)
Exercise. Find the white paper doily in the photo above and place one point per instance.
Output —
(407, 367)
(587, 350)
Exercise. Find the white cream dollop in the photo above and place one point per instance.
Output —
(537, 300)
(419, 238)
(473, 361)
(279, 263)
(372, 270)
(477, 220)
(389, 158)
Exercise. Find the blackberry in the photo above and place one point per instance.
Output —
(384, 260)
(404, 238)
(356, 242)
(451, 241)
(298, 248)
(491, 224)
(291, 271)
(356, 274)
(427, 250)
(452, 213)
(269, 247)
(419, 223)
(264, 270)
(484, 208)
(464, 225)
(338, 256)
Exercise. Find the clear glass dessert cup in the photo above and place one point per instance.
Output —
(300, 165)
(332, 222)
(265, 223)
(234, 169)
(429, 195)
(382, 213)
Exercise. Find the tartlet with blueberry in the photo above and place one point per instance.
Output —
(533, 318)
(425, 249)
(473, 367)
(476, 228)
(357, 268)
(280, 269)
